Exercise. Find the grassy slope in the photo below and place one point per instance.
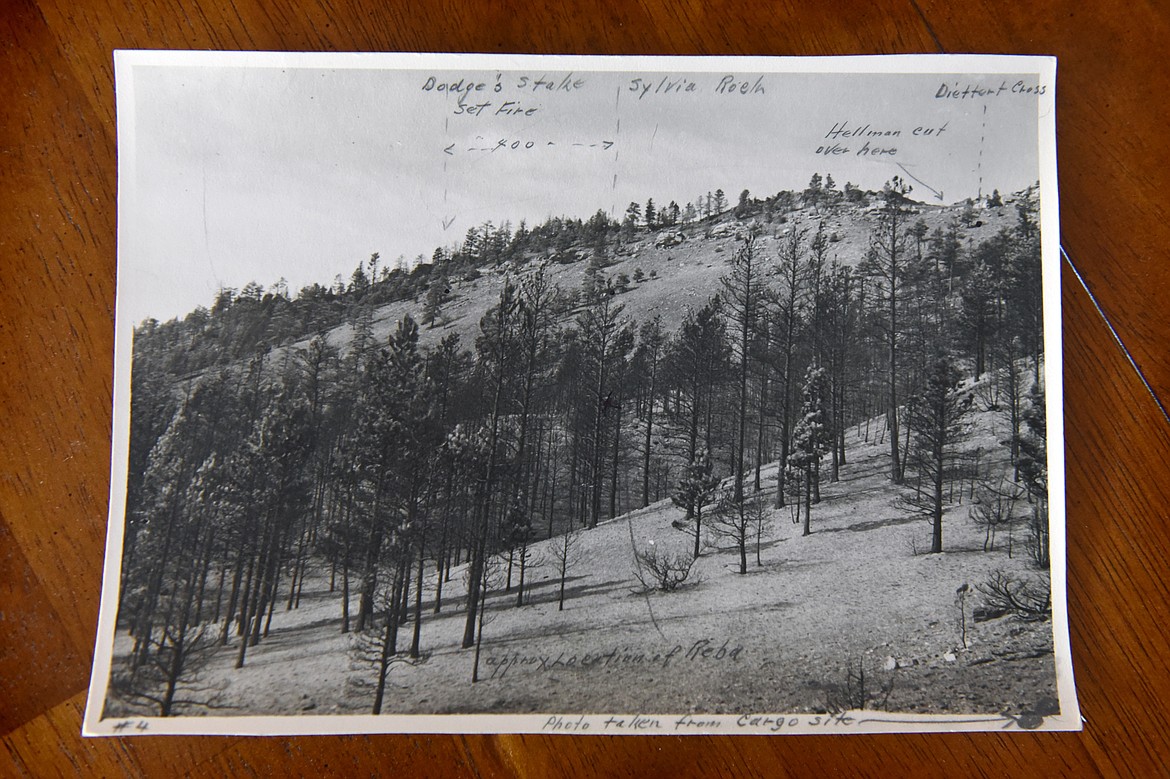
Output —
(853, 591)
(688, 273)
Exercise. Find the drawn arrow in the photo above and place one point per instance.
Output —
(448, 222)
(937, 192)
(448, 150)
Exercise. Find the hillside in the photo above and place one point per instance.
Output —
(600, 367)
(679, 277)
(855, 593)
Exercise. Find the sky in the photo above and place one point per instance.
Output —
(231, 174)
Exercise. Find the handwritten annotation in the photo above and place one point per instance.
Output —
(957, 91)
(703, 650)
(874, 140)
(666, 85)
(516, 95)
(470, 93)
(687, 722)
(772, 723)
(527, 144)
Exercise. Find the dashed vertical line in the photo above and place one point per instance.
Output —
(617, 131)
(982, 136)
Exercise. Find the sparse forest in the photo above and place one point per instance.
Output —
(279, 443)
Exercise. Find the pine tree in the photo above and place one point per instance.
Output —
(537, 302)
(566, 552)
(395, 433)
(787, 301)
(694, 491)
(359, 282)
(736, 519)
(1033, 465)
(516, 533)
(447, 370)
(810, 438)
(634, 213)
(268, 471)
(437, 293)
(837, 308)
(743, 207)
(886, 264)
(696, 366)
(979, 314)
(967, 215)
(813, 193)
(647, 359)
(720, 202)
(1025, 287)
(936, 415)
(594, 283)
(1027, 208)
(496, 348)
(743, 289)
(317, 368)
(945, 248)
(606, 340)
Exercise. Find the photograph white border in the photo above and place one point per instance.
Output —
(1044, 68)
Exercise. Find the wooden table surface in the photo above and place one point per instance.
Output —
(57, 233)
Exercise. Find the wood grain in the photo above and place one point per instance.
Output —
(57, 232)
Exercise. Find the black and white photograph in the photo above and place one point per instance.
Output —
(591, 395)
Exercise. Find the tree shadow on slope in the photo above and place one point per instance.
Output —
(872, 524)
(278, 633)
(548, 591)
(594, 628)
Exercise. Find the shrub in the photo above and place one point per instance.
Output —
(857, 692)
(994, 508)
(662, 571)
(1038, 535)
(1025, 597)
